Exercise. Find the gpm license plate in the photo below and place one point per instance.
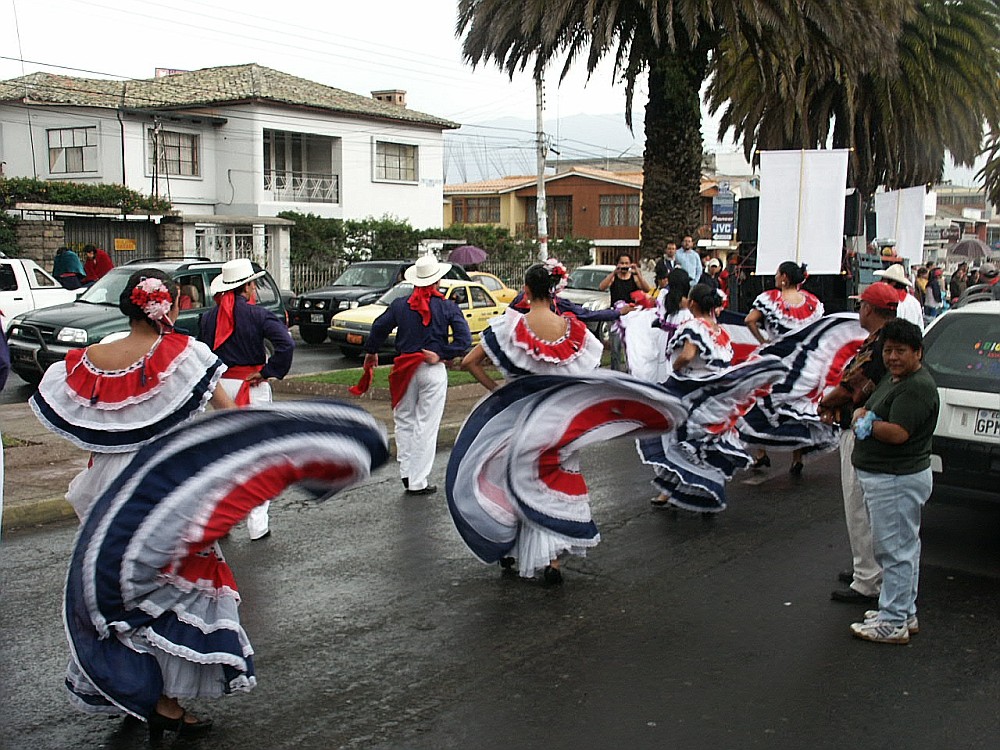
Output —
(317, 318)
(988, 423)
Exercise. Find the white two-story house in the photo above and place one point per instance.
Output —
(230, 147)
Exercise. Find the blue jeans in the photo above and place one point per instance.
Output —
(894, 503)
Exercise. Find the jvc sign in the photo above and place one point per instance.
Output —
(723, 213)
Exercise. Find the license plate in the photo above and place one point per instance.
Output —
(23, 356)
(317, 318)
(988, 423)
(355, 338)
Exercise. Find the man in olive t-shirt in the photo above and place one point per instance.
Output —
(892, 455)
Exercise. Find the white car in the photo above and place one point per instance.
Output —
(962, 354)
(583, 290)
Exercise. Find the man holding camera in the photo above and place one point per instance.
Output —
(625, 280)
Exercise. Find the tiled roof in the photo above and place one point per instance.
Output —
(506, 184)
(498, 185)
(206, 87)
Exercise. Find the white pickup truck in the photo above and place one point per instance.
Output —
(24, 285)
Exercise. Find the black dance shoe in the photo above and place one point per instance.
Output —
(796, 470)
(552, 576)
(158, 724)
(764, 462)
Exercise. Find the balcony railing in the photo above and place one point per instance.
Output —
(558, 230)
(303, 187)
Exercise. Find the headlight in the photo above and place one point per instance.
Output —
(306, 304)
(355, 303)
(72, 336)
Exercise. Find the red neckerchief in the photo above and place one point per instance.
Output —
(224, 324)
(420, 301)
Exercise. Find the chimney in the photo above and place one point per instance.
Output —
(391, 96)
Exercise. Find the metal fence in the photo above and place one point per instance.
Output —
(305, 276)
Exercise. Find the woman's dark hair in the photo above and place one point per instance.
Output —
(795, 273)
(903, 332)
(678, 287)
(132, 310)
(706, 297)
(540, 281)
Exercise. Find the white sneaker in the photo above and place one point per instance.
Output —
(878, 631)
(912, 625)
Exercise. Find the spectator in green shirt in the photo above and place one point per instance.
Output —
(892, 456)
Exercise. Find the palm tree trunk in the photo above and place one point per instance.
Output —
(671, 203)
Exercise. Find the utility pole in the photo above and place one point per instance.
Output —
(540, 208)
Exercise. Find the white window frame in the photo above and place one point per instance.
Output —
(376, 165)
(72, 134)
(197, 152)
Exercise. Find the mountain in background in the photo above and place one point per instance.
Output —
(506, 146)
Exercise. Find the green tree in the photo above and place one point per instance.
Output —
(673, 43)
(899, 120)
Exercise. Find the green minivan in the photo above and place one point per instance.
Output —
(38, 338)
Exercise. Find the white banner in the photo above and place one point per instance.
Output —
(802, 209)
(899, 215)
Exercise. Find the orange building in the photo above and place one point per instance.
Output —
(582, 202)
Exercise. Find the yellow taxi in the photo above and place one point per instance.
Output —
(503, 293)
(350, 329)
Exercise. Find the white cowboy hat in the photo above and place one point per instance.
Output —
(234, 273)
(895, 273)
(426, 271)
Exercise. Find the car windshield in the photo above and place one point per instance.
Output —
(963, 351)
(377, 276)
(586, 278)
(107, 289)
(400, 290)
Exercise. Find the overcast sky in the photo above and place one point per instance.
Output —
(357, 45)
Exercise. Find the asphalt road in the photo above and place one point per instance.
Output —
(375, 628)
(307, 359)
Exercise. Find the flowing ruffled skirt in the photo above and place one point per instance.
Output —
(151, 607)
(816, 354)
(693, 463)
(514, 484)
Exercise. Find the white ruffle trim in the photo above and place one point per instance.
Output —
(536, 548)
(584, 360)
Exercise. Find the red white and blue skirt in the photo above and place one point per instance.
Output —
(787, 418)
(514, 483)
(694, 462)
(151, 607)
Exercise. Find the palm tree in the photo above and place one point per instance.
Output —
(674, 43)
(899, 120)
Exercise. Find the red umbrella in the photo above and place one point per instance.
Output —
(466, 255)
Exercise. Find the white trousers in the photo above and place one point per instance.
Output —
(257, 521)
(867, 573)
(417, 418)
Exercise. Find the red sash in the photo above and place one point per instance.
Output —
(404, 367)
(242, 372)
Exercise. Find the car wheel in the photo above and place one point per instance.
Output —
(603, 331)
(352, 352)
(32, 377)
(312, 334)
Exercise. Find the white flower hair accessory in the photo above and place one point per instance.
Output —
(558, 273)
(152, 297)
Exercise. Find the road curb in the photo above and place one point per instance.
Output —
(36, 514)
(57, 509)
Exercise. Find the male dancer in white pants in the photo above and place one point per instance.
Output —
(418, 382)
(236, 329)
(877, 306)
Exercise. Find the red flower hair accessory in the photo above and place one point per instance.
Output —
(560, 277)
(152, 297)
